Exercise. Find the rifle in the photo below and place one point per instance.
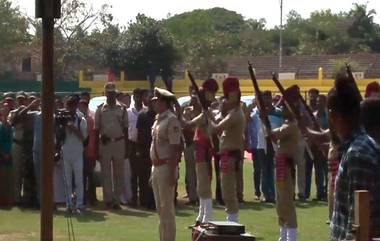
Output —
(289, 104)
(316, 124)
(352, 80)
(202, 101)
(296, 113)
(261, 106)
(201, 98)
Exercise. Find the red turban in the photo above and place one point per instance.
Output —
(372, 87)
(230, 84)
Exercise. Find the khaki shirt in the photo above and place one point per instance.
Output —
(166, 131)
(233, 126)
(111, 121)
(288, 138)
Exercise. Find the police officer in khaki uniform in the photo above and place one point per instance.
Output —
(232, 128)
(165, 152)
(111, 124)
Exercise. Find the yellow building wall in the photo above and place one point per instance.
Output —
(180, 87)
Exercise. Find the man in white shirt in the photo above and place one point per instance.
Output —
(133, 113)
(72, 154)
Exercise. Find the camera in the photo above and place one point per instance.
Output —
(61, 118)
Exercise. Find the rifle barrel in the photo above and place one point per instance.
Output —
(261, 106)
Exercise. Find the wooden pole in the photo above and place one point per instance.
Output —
(47, 129)
(362, 219)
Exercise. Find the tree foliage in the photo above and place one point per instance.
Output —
(13, 33)
(144, 48)
(201, 39)
(220, 33)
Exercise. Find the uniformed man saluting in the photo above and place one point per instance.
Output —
(165, 152)
(111, 124)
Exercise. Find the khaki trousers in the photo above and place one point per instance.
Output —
(111, 158)
(300, 162)
(164, 198)
(190, 175)
(228, 183)
(285, 207)
(330, 196)
(240, 181)
(19, 168)
(203, 180)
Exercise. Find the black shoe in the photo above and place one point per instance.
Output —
(269, 200)
(322, 198)
(302, 198)
(116, 207)
(108, 206)
(132, 204)
(69, 210)
(151, 207)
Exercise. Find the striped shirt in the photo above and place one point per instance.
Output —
(359, 170)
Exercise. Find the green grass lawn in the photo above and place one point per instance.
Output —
(141, 225)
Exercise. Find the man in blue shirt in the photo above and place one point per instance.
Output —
(264, 161)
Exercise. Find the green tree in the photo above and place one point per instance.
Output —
(145, 48)
(363, 29)
(72, 33)
(205, 37)
(13, 33)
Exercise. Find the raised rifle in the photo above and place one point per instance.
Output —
(201, 98)
(202, 101)
(289, 104)
(262, 108)
(314, 121)
(315, 149)
(312, 152)
(352, 80)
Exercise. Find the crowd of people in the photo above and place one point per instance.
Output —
(116, 132)
(139, 146)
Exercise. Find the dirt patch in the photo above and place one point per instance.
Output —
(13, 236)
